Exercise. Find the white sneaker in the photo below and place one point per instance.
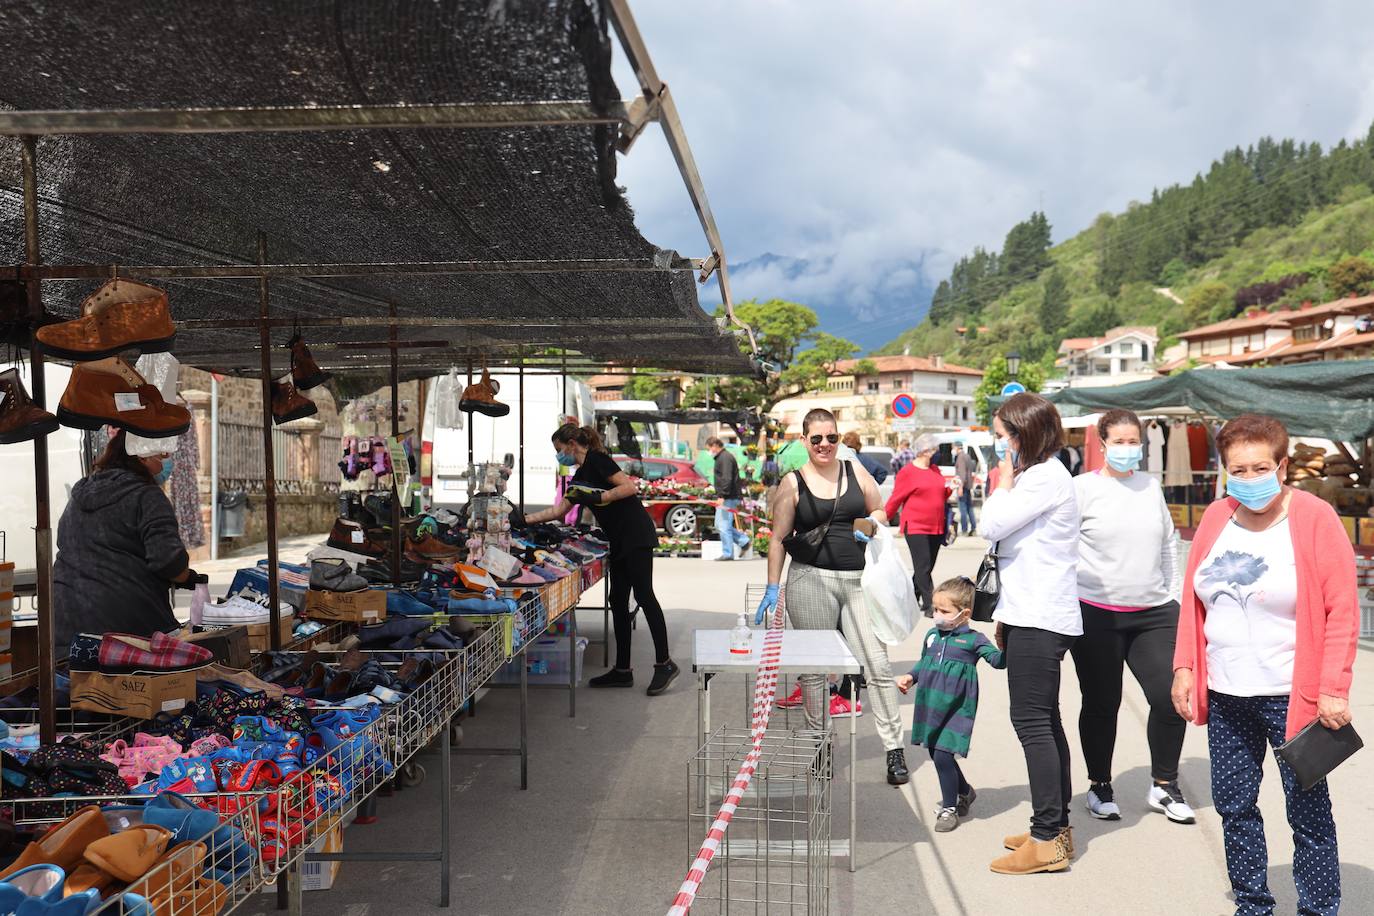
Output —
(1101, 802)
(1168, 800)
(247, 607)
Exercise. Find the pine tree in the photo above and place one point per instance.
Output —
(1054, 302)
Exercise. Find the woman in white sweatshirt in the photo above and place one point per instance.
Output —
(1032, 519)
(1128, 586)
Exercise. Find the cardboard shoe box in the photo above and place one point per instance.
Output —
(140, 695)
(260, 634)
(367, 606)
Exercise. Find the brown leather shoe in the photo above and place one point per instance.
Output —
(20, 419)
(64, 844)
(481, 397)
(289, 404)
(431, 547)
(110, 391)
(1017, 840)
(1032, 857)
(349, 535)
(121, 315)
(305, 372)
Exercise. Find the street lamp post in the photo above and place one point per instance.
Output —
(1013, 364)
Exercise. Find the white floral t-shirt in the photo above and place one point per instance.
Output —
(1248, 585)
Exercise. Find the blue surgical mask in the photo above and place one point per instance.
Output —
(1254, 493)
(1001, 447)
(568, 461)
(165, 472)
(1123, 457)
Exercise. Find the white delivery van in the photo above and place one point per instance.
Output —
(978, 443)
(66, 465)
(444, 445)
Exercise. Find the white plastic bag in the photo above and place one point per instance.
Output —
(159, 370)
(888, 590)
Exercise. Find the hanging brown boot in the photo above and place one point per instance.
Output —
(20, 419)
(481, 397)
(305, 372)
(110, 391)
(121, 315)
(289, 404)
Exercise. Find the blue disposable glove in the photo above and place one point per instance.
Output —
(860, 536)
(768, 604)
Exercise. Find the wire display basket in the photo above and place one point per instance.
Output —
(775, 855)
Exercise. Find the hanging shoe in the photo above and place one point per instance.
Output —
(111, 392)
(305, 372)
(121, 315)
(480, 397)
(289, 404)
(20, 419)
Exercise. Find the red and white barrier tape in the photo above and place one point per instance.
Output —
(765, 688)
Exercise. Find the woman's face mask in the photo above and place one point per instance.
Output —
(566, 460)
(165, 473)
(1123, 458)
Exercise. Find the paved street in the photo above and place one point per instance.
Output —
(602, 828)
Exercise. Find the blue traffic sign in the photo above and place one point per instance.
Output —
(903, 405)
(1011, 388)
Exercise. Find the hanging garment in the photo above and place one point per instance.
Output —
(1154, 451)
(186, 489)
(1178, 470)
(1093, 455)
(1198, 451)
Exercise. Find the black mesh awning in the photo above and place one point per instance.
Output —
(541, 195)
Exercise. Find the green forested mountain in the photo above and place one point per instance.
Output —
(1262, 226)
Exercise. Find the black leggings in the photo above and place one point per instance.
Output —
(952, 781)
(924, 549)
(634, 569)
(1034, 660)
(1145, 641)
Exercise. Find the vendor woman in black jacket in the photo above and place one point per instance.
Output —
(633, 538)
(118, 550)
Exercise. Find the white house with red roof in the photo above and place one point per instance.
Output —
(862, 401)
(1122, 355)
(1343, 329)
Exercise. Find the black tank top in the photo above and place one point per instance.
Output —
(840, 550)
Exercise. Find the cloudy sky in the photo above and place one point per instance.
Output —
(881, 139)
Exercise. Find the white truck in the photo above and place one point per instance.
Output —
(18, 505)
(444, 442)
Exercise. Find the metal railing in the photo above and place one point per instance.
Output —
(305, 462)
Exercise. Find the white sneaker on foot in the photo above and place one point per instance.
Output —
(1168, 800)
(1101, 802)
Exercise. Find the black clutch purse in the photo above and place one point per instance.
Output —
(1317, 750)
(987, 586)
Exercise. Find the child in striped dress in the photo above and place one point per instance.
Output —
(946, 679)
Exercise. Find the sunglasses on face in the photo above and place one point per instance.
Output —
(832, 439)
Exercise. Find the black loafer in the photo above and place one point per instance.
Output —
(613, 678)
(664, 675)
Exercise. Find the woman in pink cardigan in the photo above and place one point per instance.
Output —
(1266, 639)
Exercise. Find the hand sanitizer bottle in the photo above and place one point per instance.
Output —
(741, 637)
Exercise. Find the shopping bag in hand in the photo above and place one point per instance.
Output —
(888, 591)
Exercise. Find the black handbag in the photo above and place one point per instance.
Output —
(987, 586)
(1317, 750)
(805, 546)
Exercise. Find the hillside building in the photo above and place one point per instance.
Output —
(1125, 354)
(1343, 329)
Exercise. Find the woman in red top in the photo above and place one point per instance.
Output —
(920, 493)
(1266, 639)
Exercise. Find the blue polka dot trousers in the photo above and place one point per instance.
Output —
(1237, 730)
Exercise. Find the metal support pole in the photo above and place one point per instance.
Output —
(522, 659)
(42, 533)
(445, 812)
(395, 472)
(269, 463)
(521, 387)
(471, 441)
(214, 467)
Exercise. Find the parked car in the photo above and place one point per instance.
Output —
(675, 519)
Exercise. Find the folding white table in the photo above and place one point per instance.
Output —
(803, 652)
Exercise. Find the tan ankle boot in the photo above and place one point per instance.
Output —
(1017, 840)
(1033, 856)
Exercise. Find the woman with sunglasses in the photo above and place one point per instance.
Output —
(831, 494)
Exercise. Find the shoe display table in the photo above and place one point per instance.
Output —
(803, 652)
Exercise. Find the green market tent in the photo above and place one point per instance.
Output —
(1330, 400)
